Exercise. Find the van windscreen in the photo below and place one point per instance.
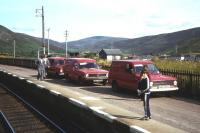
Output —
(88, 65)
(151, 68)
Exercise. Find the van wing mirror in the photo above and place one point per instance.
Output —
(75, 67)
(132, 71)
(100, 67)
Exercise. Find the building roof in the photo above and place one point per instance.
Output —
(112, 51)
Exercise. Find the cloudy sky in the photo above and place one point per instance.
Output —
(86, 18)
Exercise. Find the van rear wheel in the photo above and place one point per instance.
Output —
(67, 78)
(115, 86)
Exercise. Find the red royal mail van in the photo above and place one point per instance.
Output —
(84, 70)
(56, 66)
(126, 74)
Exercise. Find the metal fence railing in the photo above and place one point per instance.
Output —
(188, 81)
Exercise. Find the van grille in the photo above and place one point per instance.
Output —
(170, 82)
(97, 75)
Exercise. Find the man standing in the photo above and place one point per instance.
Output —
(41, 68)
(46, 65)
(144, 87)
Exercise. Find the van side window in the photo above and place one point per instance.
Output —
(138, 68)
(129, 68)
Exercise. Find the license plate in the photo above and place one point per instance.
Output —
(164, 86)
(97, 80)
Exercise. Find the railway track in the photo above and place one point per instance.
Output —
(21, 118)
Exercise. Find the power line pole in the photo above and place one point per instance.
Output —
(66, 35)
(48, 41)
(40, 13)
(14, 48)
(176, 49)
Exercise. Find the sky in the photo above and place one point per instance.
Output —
(87, 18)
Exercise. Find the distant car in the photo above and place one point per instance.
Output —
(84, 70)
(56, 66)
(126, 74)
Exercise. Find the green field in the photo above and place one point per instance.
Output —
(178, 65)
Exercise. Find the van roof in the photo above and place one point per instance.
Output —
(82, 59)
(135, 61)
(58, 58)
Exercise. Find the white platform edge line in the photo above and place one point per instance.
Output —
(89, 98)
(29, 81)
(96, 107)
(134, 128)
(21, 78)
(104, 115)
(55, 92)
(14, 75)
(40, 86)
(77, 102)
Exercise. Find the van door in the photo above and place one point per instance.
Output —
(130, 77)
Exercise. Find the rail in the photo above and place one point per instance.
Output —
(6, 124)
(33, 109)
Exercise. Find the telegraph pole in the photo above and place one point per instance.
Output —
(14, 48)
(40, 13)
(66, 34)
(48, 41)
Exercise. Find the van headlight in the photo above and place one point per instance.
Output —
(175, 83)
(86, 75)
(61, 70)
(151, 84)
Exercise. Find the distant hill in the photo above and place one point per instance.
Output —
(185, 41)
(94, 43)
(26, 46)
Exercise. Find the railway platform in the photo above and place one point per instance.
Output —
(114, 117)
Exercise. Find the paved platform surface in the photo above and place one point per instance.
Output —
(116, 112)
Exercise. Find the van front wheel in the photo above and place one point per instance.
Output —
(115, 86)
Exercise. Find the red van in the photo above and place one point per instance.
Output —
(84, 70)
(56, 66)
(126, 74)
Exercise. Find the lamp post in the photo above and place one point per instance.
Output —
(48, 41)
(66, 34)
(40, 13)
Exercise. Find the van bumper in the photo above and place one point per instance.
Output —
(154, 89)
(95, 79)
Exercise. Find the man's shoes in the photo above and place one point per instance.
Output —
(147, 117)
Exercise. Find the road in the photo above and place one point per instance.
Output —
(177, 112)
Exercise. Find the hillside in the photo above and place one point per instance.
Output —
(185, 41)
(94, 43)
(26, 46)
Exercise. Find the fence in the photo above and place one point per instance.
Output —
(29, 63)
(188, 81)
